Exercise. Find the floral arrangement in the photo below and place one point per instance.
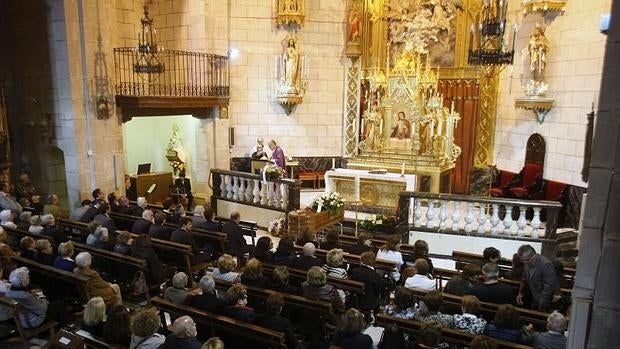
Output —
(331, 202)
(276, 227)
(272, 173)
(373, 222)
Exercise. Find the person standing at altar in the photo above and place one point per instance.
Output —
(260, 154)
(260, 143)
(184, 186)
(278, 154)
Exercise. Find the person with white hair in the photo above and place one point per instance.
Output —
(6, 219)
(307, 259)
(7, 202)
(178, 292)
(539, 280)
(554, 337)
(96, 286)
(260, 143)
(49, 229)
(142, 225)
(24, 220)
(207, 300)
(100, 238)
(140, 206)
(35, 225)
(36, 306)
(183, 335)
(6, 313)
(53, 207)
(198, 219)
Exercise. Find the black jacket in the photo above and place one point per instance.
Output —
(261, 282)
(236, 245)
(304, 262)
(373, 284)
(183, 236)
(357, 249)
(159, 232)
(141, 226)
(498, 293)
(157, 269)
(89, 215)
(280, 324)
(173, 342)
(352, 341)
(206, 301)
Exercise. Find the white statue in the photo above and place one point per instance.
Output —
(290, 75)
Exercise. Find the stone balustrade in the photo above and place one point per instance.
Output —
(255, 190)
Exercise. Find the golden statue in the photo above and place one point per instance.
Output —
(372, 128)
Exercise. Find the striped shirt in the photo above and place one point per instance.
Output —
(336, 272)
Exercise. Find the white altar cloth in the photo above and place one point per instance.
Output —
(409, 180)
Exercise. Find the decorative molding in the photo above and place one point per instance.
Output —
(485, 127)
(351, 108)
(539, 105)
(531, 6)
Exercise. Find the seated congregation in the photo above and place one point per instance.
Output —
(144, 276)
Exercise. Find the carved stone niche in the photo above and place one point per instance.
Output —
(531, 6)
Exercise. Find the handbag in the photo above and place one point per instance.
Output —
(138, 284)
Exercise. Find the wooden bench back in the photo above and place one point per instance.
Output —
(299, 276)
(452, 304)
(449, 335)
(222, 323)
(352, 259)
(41, 274)
(120, 266)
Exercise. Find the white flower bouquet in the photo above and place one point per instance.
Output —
(331, 202)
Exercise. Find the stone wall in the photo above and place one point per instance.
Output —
(315, 127)
(573, 72)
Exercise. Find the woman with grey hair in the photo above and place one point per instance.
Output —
(100, 238)
(178, 292)
(49, 228)
(35, 225)
(6, 219)
(96, 286)
(207, 300)
(63, 260)
(36, 306)
(24, 220)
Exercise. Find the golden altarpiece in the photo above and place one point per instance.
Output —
(411, 101)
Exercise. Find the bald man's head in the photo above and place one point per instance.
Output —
(184, 327)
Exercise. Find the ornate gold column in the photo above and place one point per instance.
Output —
(485, 127)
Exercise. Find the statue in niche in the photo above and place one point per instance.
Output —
(290, 12)
(537, 49)
(175, 153)
(373, 124)
(402, 127)
(354, 25)
(290, 61)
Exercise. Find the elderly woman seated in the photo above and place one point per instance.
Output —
(37, 308)
(27, 247)
(253, 275)
(100, 239)
(207, 300)
(237, 298)
(123, 243)
(35, 225)
(63, 260)
(144, 326)
(429, 310)
(96, 286)
(6, 219)
(49, 228)
(335, 266)
(178, 292)
(94, 316)
(226, 269)
(45, 252)
(24, 220)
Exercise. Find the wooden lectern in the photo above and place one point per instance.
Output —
(144, 182)
(258, 164)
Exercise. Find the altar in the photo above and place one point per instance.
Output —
(372, 189)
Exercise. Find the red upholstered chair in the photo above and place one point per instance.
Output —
(554, 191)
(501, 185)
(531, 181)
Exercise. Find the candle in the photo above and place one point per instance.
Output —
(514, 36)
(381, 127)
(333, 163)
(362, 122)
(402, 169)
(357, 188)
(471, 36)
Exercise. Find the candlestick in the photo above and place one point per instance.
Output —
(452, 108)
(381, 127)
(402, 169)
(357, 188)
(362, 122)
(333, 163)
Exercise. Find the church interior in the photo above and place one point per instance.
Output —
(309, 174)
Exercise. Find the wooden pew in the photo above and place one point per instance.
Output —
(249, 228)
(26, 333)
(41, 272)
(452, 304)
(299, 276)
(91, 341)
(449, 335)
(352, 259)
(122, 267)
(202, 236)
(172, 253)
(221, 323)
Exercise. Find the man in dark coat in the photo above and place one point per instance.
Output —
(307, 259)
(142, 225)
(184, 235)
(539, 279)
(491, 290)
(373, 283)
(236, 245)
(183, 335)
(184, 186)
(104, 219)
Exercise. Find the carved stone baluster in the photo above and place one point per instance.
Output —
(469, 217)
(456, 216)
(229, 189)
(236, 187)
(270, 199)
(285, 190)
(482, 219)
(256, 191)
(535, 223)
(222, 185)
(430, 214)
(521, 222)
(508, 219)
(443, 214)
(278, 195)
(248, 191)
(263, 192)
(417, 213)
(495, 219)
